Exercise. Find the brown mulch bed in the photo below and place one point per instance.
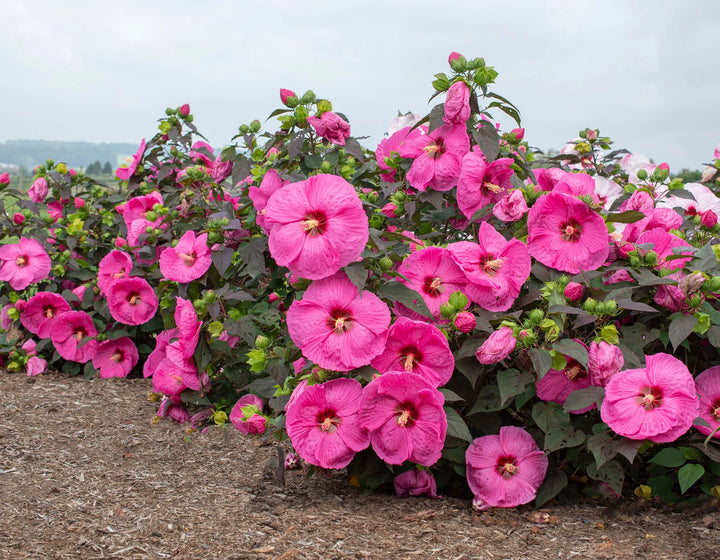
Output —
(85, 472)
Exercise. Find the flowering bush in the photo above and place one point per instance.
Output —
(454, 312)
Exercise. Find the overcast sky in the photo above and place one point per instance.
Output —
(643, 72)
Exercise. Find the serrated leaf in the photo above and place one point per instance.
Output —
(511, 383)
(602, 447)
(456, 426)
(555, 481)
(558, 437)
(573, 349)
(689, 474)
(680, 329)
(669, 457)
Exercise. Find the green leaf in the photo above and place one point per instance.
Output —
(313, 161)
(541, 361)
(680, 329)
(456, 426)
(602, 447)
(669, 457)
(549, 414)
(450, 396)
(558, 437)
(689, 475)
(554, 482)
(488, 400)
(356, 274)
(582, 398)
(486, 137)
(611, 473)
(629, 217)
(397, 291)
(511, 382)
(573, 349)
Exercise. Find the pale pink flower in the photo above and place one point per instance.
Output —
(408, 120)
(68, 336)
(505, 470)
(132, 301)
(457, 104)
(23, 263)
(115, 358)
(498, 346)
(404, 417)
(188, 260)
(657, 402)
(417, 347)
(567, 235)
(124, 173)
(415, 482)
(36, 366)
(481, 183)
(335, 326)
(704, 199)
(38, 190)
(317, 226)
(604, 361)
(113, 266)
(331, 126)
(41, 312)
(607, 191)
(322, 423)
(246, 415)
(511, 207)
(708, 389)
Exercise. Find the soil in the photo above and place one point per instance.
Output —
(86, 472)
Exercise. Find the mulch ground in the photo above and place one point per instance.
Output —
(86, 473)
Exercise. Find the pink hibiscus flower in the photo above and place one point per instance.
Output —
(511, 207)
(433, 273)
(317, 226)
(557, 384)
(38, 190)
(389, 146)
(415, 482)
(69, 334)
(124, 173)
(36, 366)
(482, 183)
(604, 361)
(132, 301)
(505, 470)
(417, 347)
(156, 357)
(567, 235)
(41, 311)
(404, 417)
(23, 263)
(137, 207)
(457, 104)
(657, 402)
(322, 423)
(188, 260)
(663, 244)
(113, 266)
(498, 346)
(438, 157)
(115, 358)
(247, 415)
(270, 183)
(336, 327)
(495, 268)
(708, 388)
(331, 126)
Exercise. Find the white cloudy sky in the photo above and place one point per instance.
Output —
(644, 72)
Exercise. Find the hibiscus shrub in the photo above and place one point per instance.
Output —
(452, 313)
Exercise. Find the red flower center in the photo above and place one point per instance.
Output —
(435, 149)
(188, 258)
(328, 420)
(314, 223)
(506, 466)
(571, 230)
(433, 286)
(650, 398)
(715, 410)
(79, 333)
(22, 261)
(574, 370)
(406, 414)
(134, 298)
(49, 311)
(118, 356)
(340, 321)
(410, 357)
(490, 265)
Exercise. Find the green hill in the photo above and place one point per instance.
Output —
(30, 153)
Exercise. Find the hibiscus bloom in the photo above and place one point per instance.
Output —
(68, 336)
(331, 126)
(335, 326)
(511, 207)
(482, 183)
(132, 301)
(38, 190)
(708, 388)
(36, 366)
(317, 226)
(498, 346)
(113, 266)
(389, 146)
(137, 208)
(663, 244)
(124, 173)
(457, 104)
(438, 157)
(322, 423)
(567, 235)
(404, 417)
(158, 354)
(657, 402)
(24, 263)
(247, 415)
(188, 260)
(417, 347)
(505, 470)
(557, 384)
(415, 482)
(270, 183)
(495, 268)
(115, 358)
(41, 311)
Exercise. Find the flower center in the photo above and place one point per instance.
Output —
(314, 223)
(134, 298)
(715, 410)
(506, 466)
(22, 261)
(650, 398)
(407, 414)
(49, 311)
(328, 421)
(79, 333)
(433, 286)
(574, 370)
(570, 231)
(118, 356)
(435, 149)
(188, 258)
(410, 358)
(340, 321)
(490, 265)
(492, 187)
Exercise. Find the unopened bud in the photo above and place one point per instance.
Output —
(642, 174)
(465, 321)
(262, 342)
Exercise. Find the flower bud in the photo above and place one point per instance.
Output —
(386, 263)
(292, 461)
(537, 316)
(708, 219)
(453, 56)
(61, 168)
(590, 305)
(285, 95)
(390, 210)
(519, 133)
(707, 174)
(18, 218)
(712, 284)
(574, 291)
(184, 110)
(447, 311)
(498, 346)
(458, 301)
(262, 341)
(650, 258)
(465, 321)
(4, 179)
(642, 174)
(591, 134)
(661, 173)
(79, 203)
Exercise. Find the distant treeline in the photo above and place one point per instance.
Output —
(31, 153)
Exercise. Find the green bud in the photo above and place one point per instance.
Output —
(215, 328)
(244, 129)
(372, 196)
(13, 313)
(610, 307)
(326, 167)
(49, 163)
(590, 305)
(650, 258)
(582, 134)
(447, 311)
(459, 64)
(255, 126)
(210, 297)
(323, 106)
(712, 284)
(660, 174)
(308, 97)
(234, 313)
(458, 300)
(347, 171)
(150, 216)
(262, 342)
(536, 316)
(642, 174)
(385, 263)
(169, 111)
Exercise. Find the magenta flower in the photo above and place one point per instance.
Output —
(247, 415)
(331, 126)
(574, 291)
(188, 260)
(511, 207)
(69, 334)
(404, 417)
(317, 226)
(663, 245)
(708, 388)
(187, 323)
(417, 347)
(115, 358)
(498, 346)
(567, 235)
(137, 208)
(604, 361)
(221, 170)
(41, 311)
(156, 357)
(495, 269)
(658, 402)
(322, 423)
(38, 190)
(173, 408)
(4, 179)
(557, 384)
(124, 173)
(505, 470)
(132, 301)
(481, 183)
(416, 482)
(433, 273)
(465, 321)
(36, 366)
(457, 104)
(113, 266)
(389, 146)
(335, 326)
(270, 183)
(438, 156)
(23, 263)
